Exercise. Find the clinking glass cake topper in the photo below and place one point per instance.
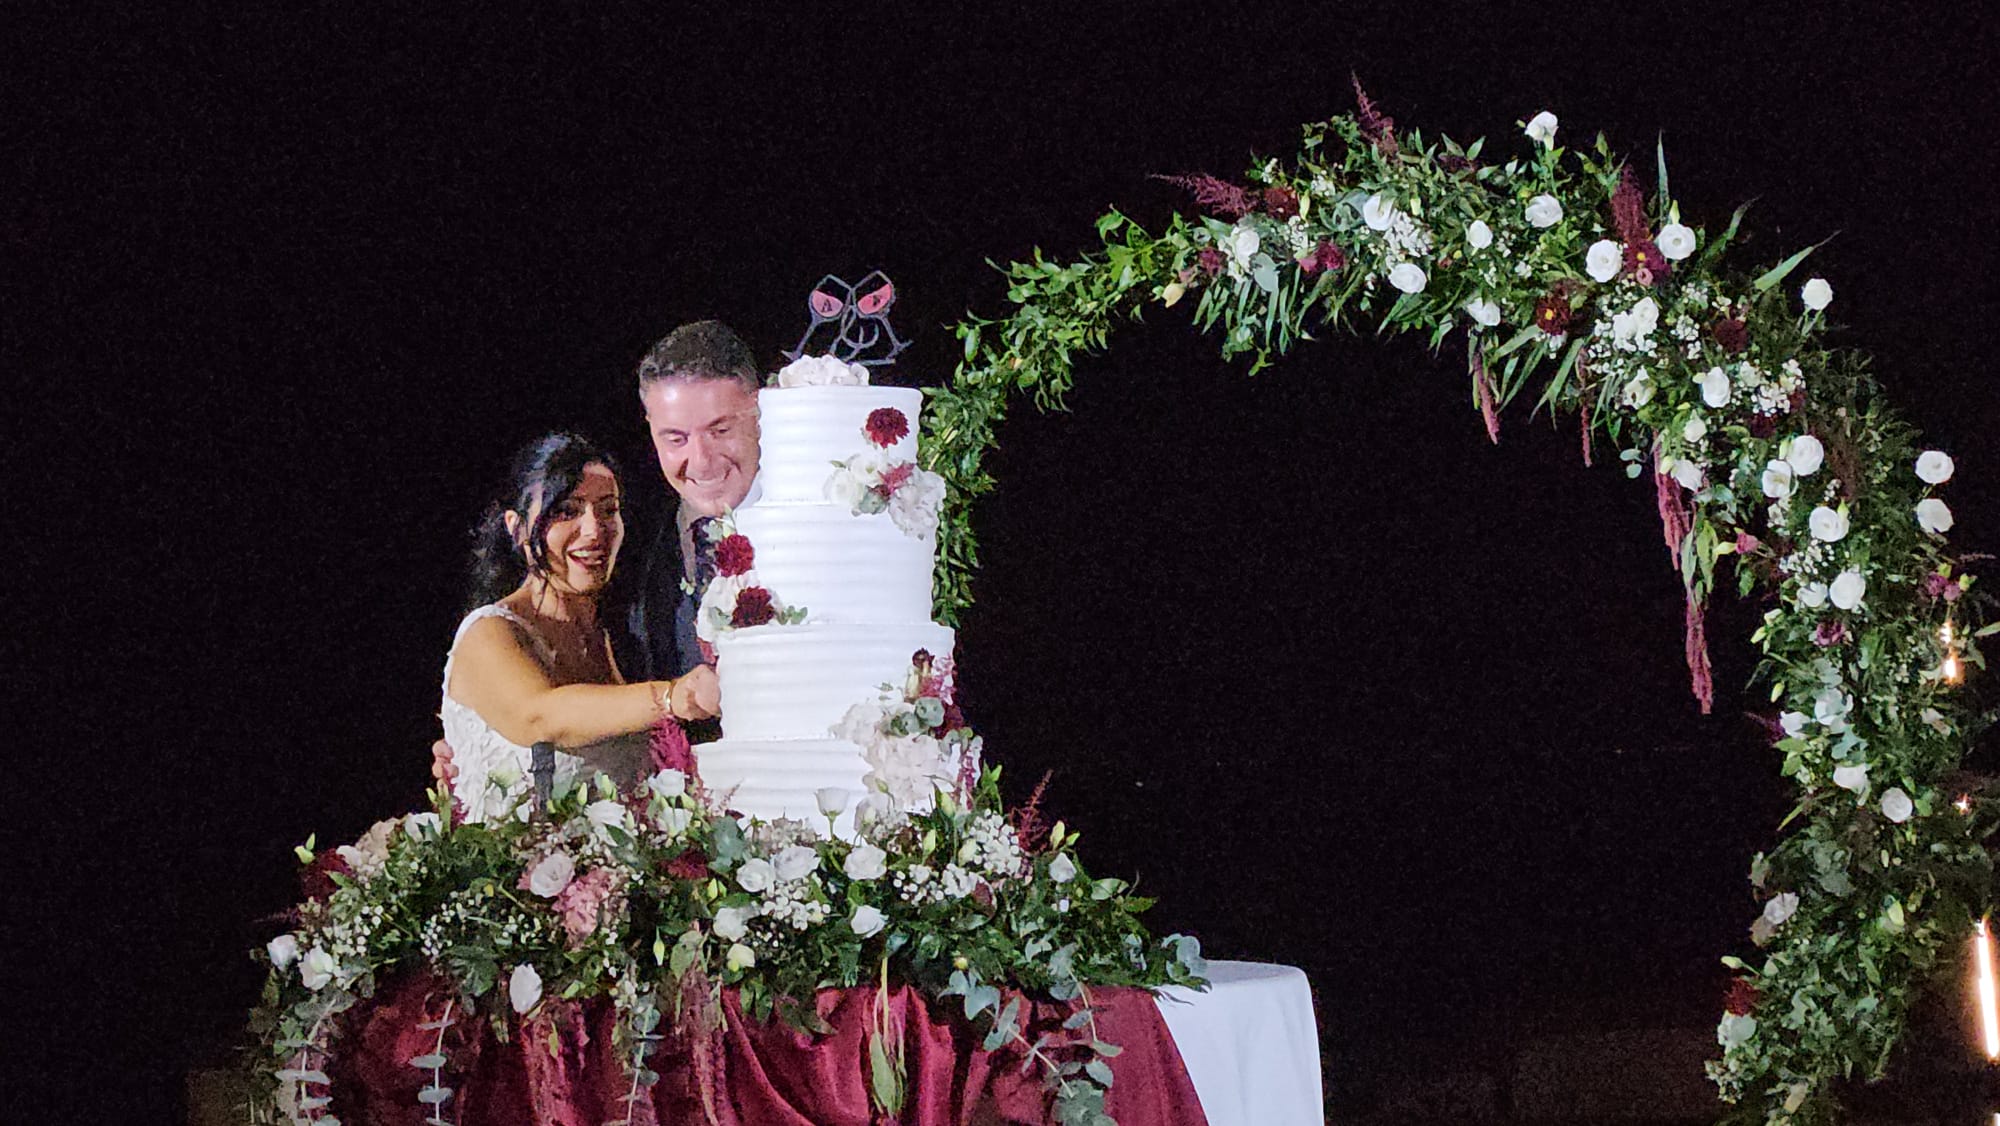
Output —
(859, 315)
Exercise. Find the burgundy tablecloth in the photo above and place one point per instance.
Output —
(760, 1073)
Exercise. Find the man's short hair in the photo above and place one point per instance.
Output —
(700, 350)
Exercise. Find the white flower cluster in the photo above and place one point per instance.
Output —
(822, 371)
(991, 846)
(785, 891)
(921, 885)
(913, 505)
(1405, 241)
(907, 768)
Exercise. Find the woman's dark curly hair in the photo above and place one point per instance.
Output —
(547, 470)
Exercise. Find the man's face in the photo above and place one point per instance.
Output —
(705, 433)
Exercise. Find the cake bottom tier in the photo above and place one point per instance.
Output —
(773, 778)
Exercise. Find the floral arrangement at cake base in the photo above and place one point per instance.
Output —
(661, 903)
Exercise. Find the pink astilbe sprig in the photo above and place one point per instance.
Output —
(1643, 260)
(1488, 407)
(1378, 127)
(1230, 201)
(1029, 827)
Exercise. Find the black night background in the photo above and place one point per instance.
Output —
(1342, 683)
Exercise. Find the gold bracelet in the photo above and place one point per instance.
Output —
(663, 699)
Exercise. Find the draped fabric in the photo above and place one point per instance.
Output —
(562, 1069)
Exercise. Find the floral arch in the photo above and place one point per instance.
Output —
(1773, 456)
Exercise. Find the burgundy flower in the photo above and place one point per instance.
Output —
(1937, 586)
(1325, 256)
(1645, 263)
(689, 865)
(1552, 314)
(896, 476)
(886, 426)
(1762, 425)
(1830, 633)
(753, 608)
(1628, 212)
(1732, 333)
(1212, 261)
(1452, 162)
(1280, 202)
(1230, 201)
(1741, 998)
(1747, 543)
(734, 555)
(316, 881)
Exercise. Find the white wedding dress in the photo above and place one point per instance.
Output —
(495, 775)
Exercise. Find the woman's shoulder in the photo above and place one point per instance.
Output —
(497, 625)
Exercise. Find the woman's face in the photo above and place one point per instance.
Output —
(584, 533)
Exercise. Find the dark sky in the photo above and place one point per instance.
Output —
(1343, 684)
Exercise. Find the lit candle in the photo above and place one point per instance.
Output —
(1989, 1010)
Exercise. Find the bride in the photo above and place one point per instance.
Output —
(532, 663)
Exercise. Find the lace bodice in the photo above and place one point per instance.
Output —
(493, 773)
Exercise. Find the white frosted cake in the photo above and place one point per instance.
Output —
(843, 539)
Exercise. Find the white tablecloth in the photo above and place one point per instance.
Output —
(1250, 1045)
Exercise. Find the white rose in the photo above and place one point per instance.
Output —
(1408, 277)
(1675, 241)
(1934, 467)
(1778, 480)
(1934, 516)
(1542, 128)
(756, 875)
(1484, 311)
(1479, 236)
(822, 371)
(317, 968)
(1062, 869)
(668, 783)
(1853, 778)
(421, 825)
(1828, 524)
(740, 957)
(606, 814)
(866, 862)
(1244, 245)
(868, 921)
(1781, 907)
(551, 874)
(874, 806)
(1817, 294)
(1830, 708)
(1638, 392)
(1378, 212)
(795, 863)
(1805, 453)
(1812, 596)
(524, 988)
(1603, 260)
(719, 600)
(1714, 387)
(1687, 474)
(1544, 211)
(674, 820)
(1793, 724)
(832, 800)
(1847, 589)
(1735, 1030)
(1896, 805)
(284, 950)
(732, 923)
(1694, 429)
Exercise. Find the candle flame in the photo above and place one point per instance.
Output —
(1989, 1005)
(1963, 804)
(1951, 669)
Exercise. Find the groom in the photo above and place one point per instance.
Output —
(698, 386)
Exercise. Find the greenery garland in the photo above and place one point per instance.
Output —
(1766, 445)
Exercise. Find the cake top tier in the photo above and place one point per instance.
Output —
(807, 429)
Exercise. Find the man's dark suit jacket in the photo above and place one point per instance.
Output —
(658, 641)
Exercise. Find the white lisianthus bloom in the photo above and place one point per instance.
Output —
(1675, 241)
(822, 371)
(1408, 277)
(1735, 1030)
(866, 862)
(874, 806)
(1243, 245)
(1793, 724)
(1694, 429)
(1686, 473)
(317, 968)
(1479, 236)
(740, 957)
(1936, 720)
(551, 874)
(1714, 387)
(1781, 907)
(1847, 589)
(674, 820)
(732, 923)
(1897, 806)
(756, 875)
(1934, 516)
(1483, 311)
(1852, 777)
(1603, 260)
(1817, 294)
(795, 863)
(422, 825)
(1830, 708)
(668, 783)
(718, 602)
(1638, 392)
(1635, 324)
(1934, 467)
(1378, 212)
(1828, 524)
(832, 800)
(284, 950)
(1062, 869)
(868, 921)
(1805, 453)
(1544, 211)
(606, 814)
(1542, 128)
(1777, 480)
(1812, 596)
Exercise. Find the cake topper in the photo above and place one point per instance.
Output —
(860, 316)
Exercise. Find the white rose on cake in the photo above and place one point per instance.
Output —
(914, 507)
(822, 371)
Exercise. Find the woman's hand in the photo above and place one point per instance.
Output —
(698, 695)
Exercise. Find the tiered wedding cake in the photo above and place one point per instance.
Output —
(823, 593)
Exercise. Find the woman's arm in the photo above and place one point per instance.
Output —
(494, 672)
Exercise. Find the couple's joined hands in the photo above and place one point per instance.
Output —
(697, 695)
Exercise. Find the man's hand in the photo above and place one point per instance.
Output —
(442, 768)
(698, 695)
